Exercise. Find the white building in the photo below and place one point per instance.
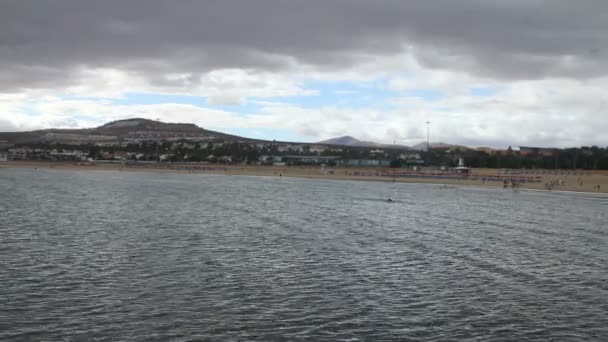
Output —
(17, 153)
(318, 148)
(409, 156)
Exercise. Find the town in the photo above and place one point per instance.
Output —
(146, 141)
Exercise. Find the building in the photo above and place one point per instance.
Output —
(461, 169)
(68, 155)
(4, 144)
(17, 153)
(366, 162)
(412, 162)
(409, 156)
(3, 156)
(318, 148)
(311, 160)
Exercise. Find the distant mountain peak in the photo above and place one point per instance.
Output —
(343, 140)
(348, 140)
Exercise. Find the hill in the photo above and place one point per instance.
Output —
(118, 131)
(347, 140)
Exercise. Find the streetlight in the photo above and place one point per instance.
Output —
(157, 139)
(428, 144)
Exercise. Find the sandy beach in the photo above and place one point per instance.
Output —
(577, 181)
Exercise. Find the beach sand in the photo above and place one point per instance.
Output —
(564, 180)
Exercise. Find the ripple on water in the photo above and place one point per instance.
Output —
(137, 256)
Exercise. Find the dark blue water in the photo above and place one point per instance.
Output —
(157, 257)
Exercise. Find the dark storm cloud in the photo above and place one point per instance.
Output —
(43, 42)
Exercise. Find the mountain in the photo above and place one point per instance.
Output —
(118, 131)
(347, 140)
(138, 130)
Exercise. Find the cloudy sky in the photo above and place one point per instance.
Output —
(485, 73)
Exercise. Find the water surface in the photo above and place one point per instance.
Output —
(156, 257)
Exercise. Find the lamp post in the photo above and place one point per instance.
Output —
(157, 140)
(428, 143)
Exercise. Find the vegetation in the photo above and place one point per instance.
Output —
(572, 158)
(237, 152)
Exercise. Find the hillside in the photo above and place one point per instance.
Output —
(121, 130)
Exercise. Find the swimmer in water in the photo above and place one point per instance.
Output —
(389, 200)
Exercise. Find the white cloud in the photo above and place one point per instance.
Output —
(552, 112)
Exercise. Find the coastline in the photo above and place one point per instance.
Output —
(569, 182)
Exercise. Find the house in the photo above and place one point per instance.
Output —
(4, 144)
(297, 148)
(265, 159)
(17, 153)
(38, 154)
(317, 148)
(409, 156)
(290, 148)
(67, 155)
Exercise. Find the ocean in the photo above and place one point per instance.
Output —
(96, 256)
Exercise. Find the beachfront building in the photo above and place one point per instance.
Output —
(365, 162)
(413, 162)
(5, 145)
(18, 153)
(3, 156)
(68, 155)
(311, 160)
(270, 160)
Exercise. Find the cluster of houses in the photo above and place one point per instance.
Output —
(309, 155)
(23, 153)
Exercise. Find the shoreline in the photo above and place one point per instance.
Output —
(570, 183)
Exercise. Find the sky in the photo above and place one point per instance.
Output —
(482, 72)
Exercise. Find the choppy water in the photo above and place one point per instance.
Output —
(142, 256)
